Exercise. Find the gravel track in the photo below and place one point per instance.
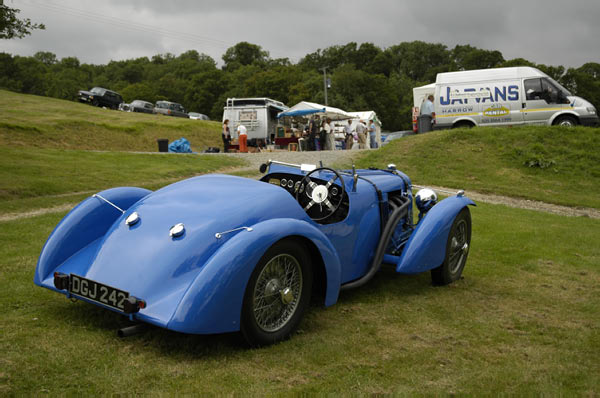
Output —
(328, 158)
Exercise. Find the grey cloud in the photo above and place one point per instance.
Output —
(551, 32)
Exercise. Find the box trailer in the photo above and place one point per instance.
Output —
(503, 96)
(258, 115)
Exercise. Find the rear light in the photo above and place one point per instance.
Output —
(61, 281)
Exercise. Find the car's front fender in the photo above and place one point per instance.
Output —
(213, 302)
(426, 247)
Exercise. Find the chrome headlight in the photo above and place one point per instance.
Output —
(591, 110)
(425, 199)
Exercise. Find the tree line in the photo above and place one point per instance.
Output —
(363, 77)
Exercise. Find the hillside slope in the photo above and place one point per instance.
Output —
(551, 164)
(43, 122)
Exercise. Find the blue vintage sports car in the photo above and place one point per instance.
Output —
(219, 253)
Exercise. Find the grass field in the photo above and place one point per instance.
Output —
(44, 177)
(42, 122)
(524, 320)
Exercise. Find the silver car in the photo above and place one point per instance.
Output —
(141, 106)
(170, 109)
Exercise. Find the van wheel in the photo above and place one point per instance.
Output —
(463, 125)
(567, 121)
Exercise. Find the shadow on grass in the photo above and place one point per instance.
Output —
(386, 284)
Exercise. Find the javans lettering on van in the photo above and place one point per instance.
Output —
(503, 93)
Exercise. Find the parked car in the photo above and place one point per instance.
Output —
(220, 253)
(141, 106)
(99, 96)
(198, 116)
(170, 109)
(124, 107)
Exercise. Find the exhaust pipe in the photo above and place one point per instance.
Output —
(131, 330)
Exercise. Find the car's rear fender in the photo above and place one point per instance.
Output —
(213, 302)
(87, 222)
(426, 247)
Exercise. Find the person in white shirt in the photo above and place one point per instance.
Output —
(349, 135)
(242, 138)
(427, 108)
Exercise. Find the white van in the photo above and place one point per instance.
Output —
(503, 96)
(258, 115)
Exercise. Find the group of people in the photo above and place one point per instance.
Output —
(318, 135)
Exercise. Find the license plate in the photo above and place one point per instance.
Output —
(98, 292)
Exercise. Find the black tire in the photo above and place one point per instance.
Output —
(282, 309)
(565, 121)
(95, 102)
(457, 250)
(463, 125)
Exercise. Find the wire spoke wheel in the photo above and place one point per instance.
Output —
(457, 250)
(458, 246)
(277, 292)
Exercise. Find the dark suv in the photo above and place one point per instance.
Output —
(99, 96)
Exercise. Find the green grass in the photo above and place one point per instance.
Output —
(523, 320)
(551, 164)
(40, 178)
(42, 122)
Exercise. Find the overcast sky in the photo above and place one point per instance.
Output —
(552, 32)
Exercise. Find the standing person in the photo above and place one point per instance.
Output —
(349, 135)
(427, 112)
(329, 135)
(242, 138)
(226, 135)
(313, 128)
(361, 130)
(427, 108)
(372, 134)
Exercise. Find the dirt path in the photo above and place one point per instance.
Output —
(330, 157)
(526, 204)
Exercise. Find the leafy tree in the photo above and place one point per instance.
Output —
(13, 27)
(585, 82)
(203, 93)
(517, 62)
(140, 91)
(244, 54)
(469, 58)
(32, 75)
(418, 60)
(45, 57)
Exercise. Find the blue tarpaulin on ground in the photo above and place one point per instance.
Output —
(180, 146)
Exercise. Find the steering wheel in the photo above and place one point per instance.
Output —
(320, 194)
